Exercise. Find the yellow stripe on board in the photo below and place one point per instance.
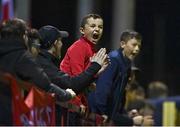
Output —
(169, 114)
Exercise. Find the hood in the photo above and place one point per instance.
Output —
(7, 46)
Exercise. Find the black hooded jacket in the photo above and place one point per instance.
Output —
(16, 60)
(49, 63)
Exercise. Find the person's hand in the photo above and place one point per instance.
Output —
(73, 94)
(148, 121)
(105, 117)
(83, 109)
(61, 94)
(138, 120)
(100, 57)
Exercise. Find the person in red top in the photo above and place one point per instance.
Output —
(78, 55)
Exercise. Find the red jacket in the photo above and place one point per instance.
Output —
(76, 61)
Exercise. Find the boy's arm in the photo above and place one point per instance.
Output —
(104, 86)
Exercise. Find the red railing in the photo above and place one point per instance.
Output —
(26, 87)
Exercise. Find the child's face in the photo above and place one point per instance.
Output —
(93, 29)
(131, 48)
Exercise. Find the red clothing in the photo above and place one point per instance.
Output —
(76, 61)
(77, 57)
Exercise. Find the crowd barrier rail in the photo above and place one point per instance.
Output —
(32, 106)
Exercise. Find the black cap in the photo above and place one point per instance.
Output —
(49, 34)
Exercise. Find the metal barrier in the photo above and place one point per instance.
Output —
(25, 87)
(29, 105)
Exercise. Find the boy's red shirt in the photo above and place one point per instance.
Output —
(76, 60)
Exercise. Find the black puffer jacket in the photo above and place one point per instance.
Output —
(49, 63)
(16, 60)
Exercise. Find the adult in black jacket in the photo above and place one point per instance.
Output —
(16, 60)
(48, 59)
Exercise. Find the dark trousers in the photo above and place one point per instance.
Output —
(5, 106)
(61, 116)
(74, 119)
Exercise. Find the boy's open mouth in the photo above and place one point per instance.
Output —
(95, 36)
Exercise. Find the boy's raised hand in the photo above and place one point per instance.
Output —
(102, 59)
(99, 57)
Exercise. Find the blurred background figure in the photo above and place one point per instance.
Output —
(157, 89)
(157, 93)
(134, 93)
(135, 75)
(140, 107)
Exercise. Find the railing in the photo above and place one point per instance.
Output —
(28, 106)
(167, 110)
(6, 79)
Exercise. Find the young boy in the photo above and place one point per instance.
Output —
(78, 55)
(109, 96)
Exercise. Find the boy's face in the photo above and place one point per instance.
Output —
(131, 48)
(93, 29)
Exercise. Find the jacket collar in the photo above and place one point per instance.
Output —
(49, 56)
(125, 59)
(92, 45)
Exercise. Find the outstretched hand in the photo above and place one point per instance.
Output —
(102, 59)
(73, 94)
(99, 57)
